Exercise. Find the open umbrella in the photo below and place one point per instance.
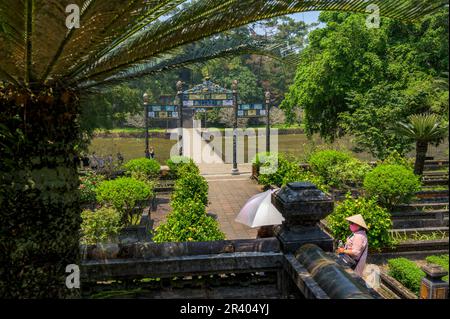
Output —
(258, 211)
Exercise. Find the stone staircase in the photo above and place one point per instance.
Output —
(428, 213)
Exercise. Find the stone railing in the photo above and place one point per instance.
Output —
(300, 257)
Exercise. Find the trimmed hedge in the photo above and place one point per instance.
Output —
(124, 194)
(188, 222)
(391, 184)
(191, 186)
(377, 219)
(441, 260)
(407, 273)
(147, 166)
(175, 163)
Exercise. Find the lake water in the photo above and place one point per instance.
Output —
(296, 144)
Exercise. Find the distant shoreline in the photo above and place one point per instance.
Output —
(166, 135)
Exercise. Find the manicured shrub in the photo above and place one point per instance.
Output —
(260, 158)
(177, 162)
(88, 185)
(395, 158)
(377, 219)
(100, 225)
(322, 163)
(189, 168)
(274, 169)
(188, 222)
(441, 260)
(125, 194)
(147, 166)
(407, 273)
(191, 186)
(391, 184)
(349, 173)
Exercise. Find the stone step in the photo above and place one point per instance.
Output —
(419, 223)
(433, 214)
(422, 206)
(435, 173)
(435, 182)
(424, 231)
(436, 162)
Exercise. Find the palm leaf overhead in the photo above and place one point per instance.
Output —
(116, 35)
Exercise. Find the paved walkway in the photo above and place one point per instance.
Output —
(227, 195)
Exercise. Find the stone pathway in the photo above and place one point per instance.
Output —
(227, 195)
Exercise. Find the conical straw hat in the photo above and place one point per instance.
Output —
(358, 220)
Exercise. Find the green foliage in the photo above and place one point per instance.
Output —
(191, 186)
(323, 163)
(391, 184)
(407, 273)
(361, 81)
(147, 166)
(186, 164)
(100, 226)
(188, 222)
(395, 158)
(125, 195)
(88, 185)
(299, 175)
(348, 173)
(441, 260)
(377, 219)
(275, 167)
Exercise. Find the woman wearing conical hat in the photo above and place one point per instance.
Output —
(357, 244)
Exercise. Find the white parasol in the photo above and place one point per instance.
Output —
(258, 211)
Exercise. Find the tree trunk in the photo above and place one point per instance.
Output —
(421, 153)
(39, 206)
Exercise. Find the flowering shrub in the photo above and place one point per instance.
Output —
(100, 225)
(377, 219)
(88, 184)
(348, 173)
(191, 186)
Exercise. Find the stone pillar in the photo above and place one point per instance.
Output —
(432, 285)
(303, 206)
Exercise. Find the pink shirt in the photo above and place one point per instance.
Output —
(357, 243)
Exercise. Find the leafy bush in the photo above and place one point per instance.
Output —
(100, 225)
(260, 158)
(395, 158)
(348, 173)
(176, 162)
(441, 260)
(191, 186)
(188, 222)
(147, 166)
(407, 273)
(275, 168)
(88, 184)
(377, 219)
(124, 194)
(391, 184)
(189, 168)
(323, 162)
(304, 176)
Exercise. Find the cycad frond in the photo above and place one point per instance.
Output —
(423, 127)
(114, 35)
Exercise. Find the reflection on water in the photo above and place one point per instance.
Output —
(296, 144)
